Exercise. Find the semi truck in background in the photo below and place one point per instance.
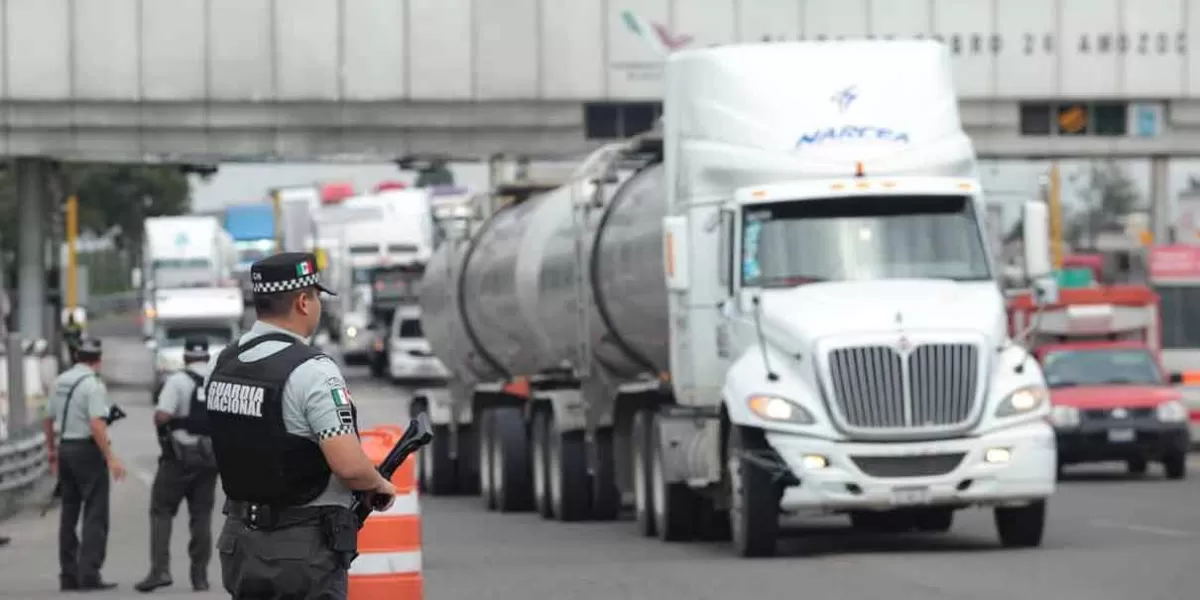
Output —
(783, 303)
(252, 227)
(211, 313)
(178, 252)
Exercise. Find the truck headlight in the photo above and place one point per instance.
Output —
(774, 408)
(351, 331)
(1064, 417)
(1024, 400)
(1171, 412)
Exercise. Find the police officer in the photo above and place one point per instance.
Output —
(286, 440)
(186, 469)
(76, 421)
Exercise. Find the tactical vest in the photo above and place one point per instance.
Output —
(196, 422)
(259, 460)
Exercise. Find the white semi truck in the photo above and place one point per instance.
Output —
(784, 303)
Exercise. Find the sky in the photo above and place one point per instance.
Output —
(1008, 182)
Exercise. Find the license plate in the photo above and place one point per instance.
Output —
(910, 496)
(1121, 435)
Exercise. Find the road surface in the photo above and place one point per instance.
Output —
(1109, 538)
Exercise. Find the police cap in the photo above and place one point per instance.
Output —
(88, 349)
(195, 348)
(286, 272)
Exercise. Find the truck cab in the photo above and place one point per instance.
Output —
(1100, 350)
(211, 313)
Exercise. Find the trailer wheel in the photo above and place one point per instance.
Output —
(643, 499)
(1175, 466)
(466, 462)
(436, 468)
(510, 460)
(753, 496)
(486, 491)
(606, 498)
(674, 503)
(569, 489)
(1022, 526)
(540, 434)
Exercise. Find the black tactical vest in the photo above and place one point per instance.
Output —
(196, 423)
(259, 460)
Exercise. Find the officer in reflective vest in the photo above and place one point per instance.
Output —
(187, 469)
(285, 436)
(76, 421)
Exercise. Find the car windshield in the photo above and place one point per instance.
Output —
(176, 336)
(1100, 366)
(878, 237)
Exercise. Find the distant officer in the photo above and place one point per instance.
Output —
(186, 469)
(76, 423)
(286, 440)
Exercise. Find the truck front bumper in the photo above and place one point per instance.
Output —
(1124, 439)
(407, 366)
(1008, 466)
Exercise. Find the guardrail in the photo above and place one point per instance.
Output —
(23, 391)
(23, 462)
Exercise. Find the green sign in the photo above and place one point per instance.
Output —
(1076, 278)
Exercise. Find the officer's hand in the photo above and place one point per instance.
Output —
(384, 496)
(52, 458)
(117, 469)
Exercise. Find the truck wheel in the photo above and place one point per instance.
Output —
(606, 498)
(674, 503)
(643, 499)
(466, 464)
(541, 463)
(510, 461)
(486, 490)
(436, 468)
(753, 496)
(934, 520)
(1175, 466)
(869, 521)
(379, 365)
(1136, 466)
(1022, 526)
(569, 489)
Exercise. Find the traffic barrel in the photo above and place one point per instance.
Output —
(388, 565)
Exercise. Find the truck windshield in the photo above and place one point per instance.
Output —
(1100, 366)
(876, 237)
(253, 250)
(176, 336)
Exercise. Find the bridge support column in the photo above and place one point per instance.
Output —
(31, 247)
(1162, 217)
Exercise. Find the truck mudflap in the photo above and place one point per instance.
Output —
(1012, 466)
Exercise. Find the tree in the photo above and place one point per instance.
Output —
(109, 196)
(1108, 194)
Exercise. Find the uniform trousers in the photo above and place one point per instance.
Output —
(174, 483)
(295, 562)
(83, 476)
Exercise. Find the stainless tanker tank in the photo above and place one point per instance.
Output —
(504, 304)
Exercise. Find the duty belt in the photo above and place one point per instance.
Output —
(265, 516)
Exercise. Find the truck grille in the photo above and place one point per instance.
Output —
(908, 466)
(877, 387)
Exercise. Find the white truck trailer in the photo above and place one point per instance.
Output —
(788, 307)
(185, 251)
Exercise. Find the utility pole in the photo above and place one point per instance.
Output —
(71, 234)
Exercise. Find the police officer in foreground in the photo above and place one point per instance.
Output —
(286, 440)
(76, 423)
(187, 469)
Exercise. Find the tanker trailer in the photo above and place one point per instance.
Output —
(804, 320)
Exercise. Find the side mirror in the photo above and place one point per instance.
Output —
(1176, 378)
(1045, 291)
(1035, 225)
(725, 261)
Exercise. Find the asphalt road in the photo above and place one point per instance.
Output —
(1109, 538)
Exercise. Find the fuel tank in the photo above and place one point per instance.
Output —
(507, 302)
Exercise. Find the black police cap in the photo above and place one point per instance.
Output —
(286, 272)
(195, 347)
(88, 348)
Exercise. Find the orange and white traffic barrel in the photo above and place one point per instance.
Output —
(389, 544)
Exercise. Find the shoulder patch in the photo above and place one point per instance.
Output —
(343, 404)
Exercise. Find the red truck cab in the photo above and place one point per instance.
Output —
(1099, 349)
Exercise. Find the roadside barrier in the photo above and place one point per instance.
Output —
(388, 566)
(23, 460)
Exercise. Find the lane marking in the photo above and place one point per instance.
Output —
(1163, 531)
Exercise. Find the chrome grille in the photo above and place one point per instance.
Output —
(908, 466)
(879, 387)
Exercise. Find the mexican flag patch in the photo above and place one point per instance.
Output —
(341, 396)
(304, 268)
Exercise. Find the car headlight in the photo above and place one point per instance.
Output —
(1171, 412)
(1064, 417)
(1024, 400)
(351, 331)
(774, 408)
